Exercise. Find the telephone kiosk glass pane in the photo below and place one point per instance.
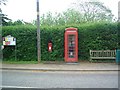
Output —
(71, 46)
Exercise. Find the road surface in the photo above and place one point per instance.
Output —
(40, 79)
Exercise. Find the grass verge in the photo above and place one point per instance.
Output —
(19, 62)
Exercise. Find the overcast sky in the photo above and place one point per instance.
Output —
(26, 9)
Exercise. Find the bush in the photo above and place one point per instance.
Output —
(26, 42)
(119, 35)
(95, 36)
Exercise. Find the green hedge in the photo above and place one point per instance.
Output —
(119, 35)
(94, 36)
(99, 36)
(26, 42)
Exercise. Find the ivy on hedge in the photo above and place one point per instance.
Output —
(95, 36)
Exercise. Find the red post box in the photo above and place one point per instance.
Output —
(50, 46)
(71, 45)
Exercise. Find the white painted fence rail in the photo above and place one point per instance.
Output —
(102, 54)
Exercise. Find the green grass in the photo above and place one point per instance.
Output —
(42, 62)
(19, 62)
(103, 61)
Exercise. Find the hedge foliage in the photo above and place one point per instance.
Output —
(95, 36)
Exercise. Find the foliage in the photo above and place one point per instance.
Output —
(119, 35)
(67, 17)
(14, 23)
(95, 36)
(19, 62)
(5, 19)
(72, 16)
(26, 42)
(79, 13)
(3, 2)
(93, 11)
(18, 22)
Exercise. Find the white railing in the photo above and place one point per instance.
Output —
(102, 54)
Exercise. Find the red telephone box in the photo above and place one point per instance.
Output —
(71, 45)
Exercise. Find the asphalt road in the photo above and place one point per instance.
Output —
(21, 79)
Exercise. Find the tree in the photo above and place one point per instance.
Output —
(94, 11)
(68, 17)
(47, 19)
(19, 22)
(3, 2)
(59, 19)
(72, 16)
(4, 17)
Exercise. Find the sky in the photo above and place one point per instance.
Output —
(26, 9)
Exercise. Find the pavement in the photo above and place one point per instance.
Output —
(81, 66)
